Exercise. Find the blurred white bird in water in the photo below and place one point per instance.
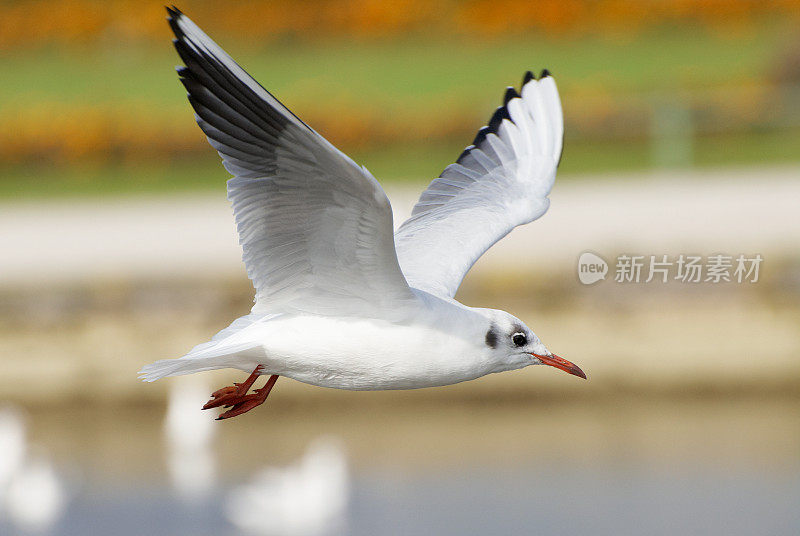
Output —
(32, 496)
(36, 499)
(13, 444)
(189, 435)
(342, 300)
(309, 498)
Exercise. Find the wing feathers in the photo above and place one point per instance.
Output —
(315, 228)
(511, 93)
(206, 48)
(500, 181)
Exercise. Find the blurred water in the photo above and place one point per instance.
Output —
(555, 500)
(599, 501)
(625, 467)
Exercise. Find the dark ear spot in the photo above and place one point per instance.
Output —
(491, 337)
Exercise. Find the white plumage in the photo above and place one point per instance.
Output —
(189, 437)
(307, 498)
(32, 496)
(341, 301)
(499, 182)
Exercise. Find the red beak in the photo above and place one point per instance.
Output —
(561, 363)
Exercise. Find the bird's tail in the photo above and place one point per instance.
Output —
(189, 364)
(167, 367)
(230, 348)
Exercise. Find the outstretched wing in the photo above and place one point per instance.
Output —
(499, 182)
(316, 229)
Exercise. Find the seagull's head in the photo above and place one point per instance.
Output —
(514, 345)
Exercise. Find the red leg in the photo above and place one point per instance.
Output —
(219, 397)
(236, 397)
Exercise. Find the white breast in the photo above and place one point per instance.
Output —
(361, 354)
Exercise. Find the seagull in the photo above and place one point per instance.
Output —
(32, 495)
(35, 500)
(341, 300)
(189, 437)
(307, 498)
(13, 445)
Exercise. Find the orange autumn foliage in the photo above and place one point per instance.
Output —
(54, 132)
(39, 22)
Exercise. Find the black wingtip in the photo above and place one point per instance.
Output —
(464, 153)
(527, 78)
(479, 137)
(497, 118)
(511, 93)
(545, 74)
(173, 18)
(175, 15)
(184, 72)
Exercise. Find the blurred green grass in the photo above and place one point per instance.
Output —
(391, 165)
(427, 79)
(397, 75)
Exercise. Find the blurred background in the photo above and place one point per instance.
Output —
(682, 137)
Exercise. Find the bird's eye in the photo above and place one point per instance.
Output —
(519, 339)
